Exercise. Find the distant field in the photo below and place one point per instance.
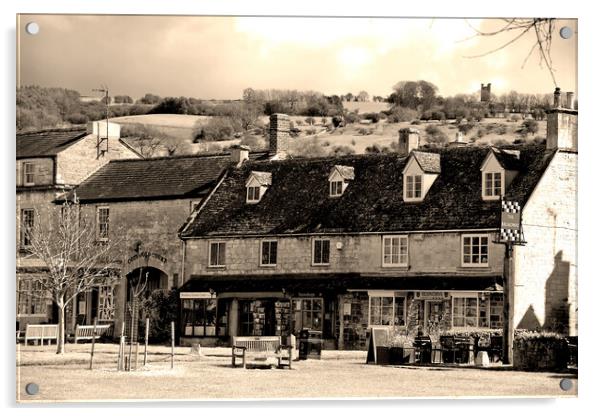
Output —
(366, 107)
(492, 131)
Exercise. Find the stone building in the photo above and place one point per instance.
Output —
(341, 245)
(49, 164)
(485, 93)
(145, 202)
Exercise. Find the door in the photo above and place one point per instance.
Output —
(309, 314)
(433, 313)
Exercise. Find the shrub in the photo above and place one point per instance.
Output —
(481, 133)
(304, 148)
(161, 307)
(352, 118)
(364, 131)
(254, 142)
(216, 129)
(514, 118)
(373, 117)
(402, 114)
(435, 135)
(338, 121)
(353, 143)
(502, 130)
(310, 121)
(311, 131)
(325, 143)
(375, 148)
(416, 122)
(530, 126)
(466, 127)
(343, 151)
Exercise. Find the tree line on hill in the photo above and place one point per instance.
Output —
(39, 107)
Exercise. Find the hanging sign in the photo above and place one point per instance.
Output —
(510, 227)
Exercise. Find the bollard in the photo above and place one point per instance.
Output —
(173, 333)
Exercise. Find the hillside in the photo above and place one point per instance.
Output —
(354, 136)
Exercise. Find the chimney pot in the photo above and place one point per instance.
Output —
(557, 98)
(570, 100)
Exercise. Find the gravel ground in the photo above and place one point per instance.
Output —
(210, 376)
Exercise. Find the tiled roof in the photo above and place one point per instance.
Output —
(47, 142)
(155, 178)
(509, 159)
(264, 178)
(298, 200)
(339, 282)
(346, 172)
(429, 162)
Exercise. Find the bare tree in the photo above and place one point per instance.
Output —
(541, 28)
(77, 255)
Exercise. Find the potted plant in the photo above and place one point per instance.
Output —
(401, 349)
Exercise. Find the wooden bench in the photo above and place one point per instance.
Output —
(37, 332)
(260, 349)
(86, 332)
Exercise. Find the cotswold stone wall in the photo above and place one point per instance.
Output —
(42, 171)
(80, 160)
(545, 268)
(428, 253)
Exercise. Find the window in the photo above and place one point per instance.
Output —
(336, 188)
(387, 310)
(308, 313)
(217, 254)
(475, 250)
(465, 312)
(199, 317)
(414, 187)
(102, 223)
(28, 175)
(321, 254)
(27, 223)
(106, 304)
(269, 253)
(492, 185)
(30, 299)
(395, 251)
(253, 193)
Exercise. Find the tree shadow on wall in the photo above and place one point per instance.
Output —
(556, 316)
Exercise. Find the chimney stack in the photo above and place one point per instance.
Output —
(280, 135)
(409, 139)
(239, 154)
(562, 124)
(460, 140)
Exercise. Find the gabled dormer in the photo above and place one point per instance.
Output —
(257, 184)
(420, 172)
(497, 171)
(339, 179)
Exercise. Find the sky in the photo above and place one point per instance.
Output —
(218, 57)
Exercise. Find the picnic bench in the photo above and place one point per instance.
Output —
(260, 350)
(86, 332)
(41, 332)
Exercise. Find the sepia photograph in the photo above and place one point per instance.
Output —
(277, 207)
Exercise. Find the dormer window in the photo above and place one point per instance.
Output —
(497, 171)
(336, 188)
(419, 174)
(257, 185)
(492, 186)
(339, 179)
(413, 187)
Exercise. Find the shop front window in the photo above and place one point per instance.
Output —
(199, 317)
(465, 312)
(31, 299)
(387, 310)
(106, 306)
(309, 314)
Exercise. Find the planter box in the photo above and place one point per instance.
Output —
(382, 355)
(399, 355)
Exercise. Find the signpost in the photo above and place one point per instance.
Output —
(510, 234)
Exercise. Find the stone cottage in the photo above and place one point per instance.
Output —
(49, 164)
(342, 245)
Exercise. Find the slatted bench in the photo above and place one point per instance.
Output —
(260, 350)
(38, 332)
(86, 332)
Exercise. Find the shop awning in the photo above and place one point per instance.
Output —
(340, 282)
